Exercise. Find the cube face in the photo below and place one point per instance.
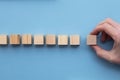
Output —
(26, 39)
(3, 39)
(62, 40)
(14, 39)
(50, 40)
(74, 40)
(38, 40)
(91, 40)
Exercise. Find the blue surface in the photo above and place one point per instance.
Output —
(55, 17)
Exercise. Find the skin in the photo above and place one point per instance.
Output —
(110, 30)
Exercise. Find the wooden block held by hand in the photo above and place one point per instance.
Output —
(50, 40)
(3, 39)
(38, 40)
(91, 40)
(26, 39)
(14, 39)
(74, 40)
(62, 40)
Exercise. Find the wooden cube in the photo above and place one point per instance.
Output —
(14, 39)
(50, 40)
(91, 40)
(38, 40)
(62, 40)
(3, 39)
(26, 39)
(74, 40)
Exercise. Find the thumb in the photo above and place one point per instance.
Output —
(102, 53)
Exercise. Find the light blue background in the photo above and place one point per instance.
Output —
(55, 17)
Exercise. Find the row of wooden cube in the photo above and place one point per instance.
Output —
(50, 39)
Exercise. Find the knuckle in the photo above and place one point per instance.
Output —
(117, 36)
(108, 19)
(106, 25)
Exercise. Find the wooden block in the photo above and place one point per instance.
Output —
(50, 40)
(14, 39)
(91, 40)
(62, 40)
(26, 39)
(3, 39)
(74, 40)
(38, 40)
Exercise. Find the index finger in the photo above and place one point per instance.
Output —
(107, 28)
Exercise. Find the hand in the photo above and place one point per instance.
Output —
(110, 30)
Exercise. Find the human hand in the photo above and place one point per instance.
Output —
(110, 30)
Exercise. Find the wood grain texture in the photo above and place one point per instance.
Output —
(91, 40)
(74, 40)
(3, 39)
(26, 39)
(50, 39)
(62, 40)
(14, 39)
(38, 40)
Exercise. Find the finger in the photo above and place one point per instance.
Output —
(111, 22)
(115, 46)
(102, 28)
(105, 28)
(102, 53)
